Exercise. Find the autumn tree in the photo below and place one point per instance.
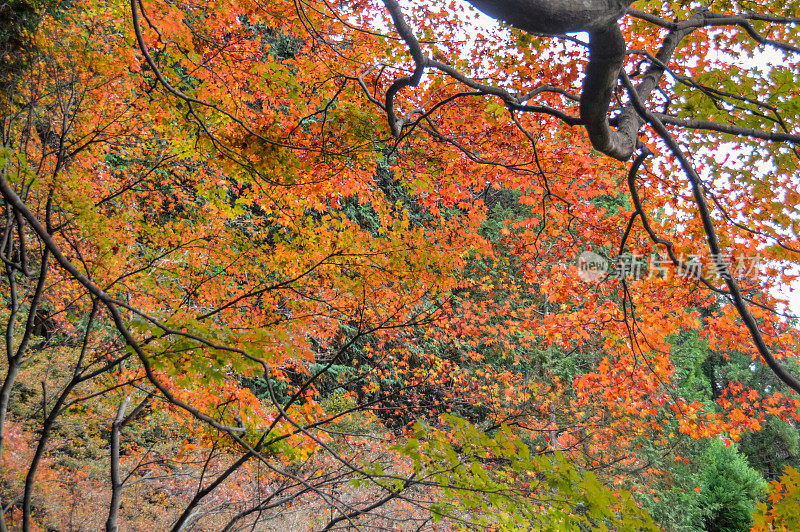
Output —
(322, 256)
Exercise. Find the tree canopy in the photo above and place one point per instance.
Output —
(345, 263)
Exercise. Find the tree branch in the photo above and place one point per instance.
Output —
(713, 241)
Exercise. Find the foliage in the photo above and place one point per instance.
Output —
(729, 488)
(781, 512)
(464, 461)
(316, 265)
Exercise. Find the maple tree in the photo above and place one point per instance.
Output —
(320, 257)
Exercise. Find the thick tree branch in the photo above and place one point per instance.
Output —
(116, 482)
(555, 16)
(629, 120)
(606, 55)
(413, 80)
